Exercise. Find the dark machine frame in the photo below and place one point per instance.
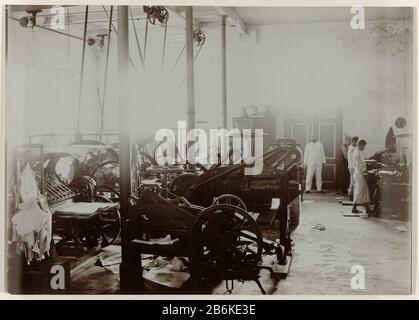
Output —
(154, 212)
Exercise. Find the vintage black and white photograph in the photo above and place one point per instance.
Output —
(156, 149)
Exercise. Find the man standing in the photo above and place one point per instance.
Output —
(343, 161)
(361, 192)
(314, 159)
(351, 165)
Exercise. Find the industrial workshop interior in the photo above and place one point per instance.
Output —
(209, 150)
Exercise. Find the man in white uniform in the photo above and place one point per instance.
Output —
(351, 165)
(361, 192)
(314, 159)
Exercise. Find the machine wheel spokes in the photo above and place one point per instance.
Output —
(225, 242)
(230, 199)
(110, 222)
(111, 226)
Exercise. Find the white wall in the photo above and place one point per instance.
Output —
(318, 66)
(44, 76)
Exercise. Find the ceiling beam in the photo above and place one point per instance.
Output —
(177, 11)
(25, 8)
(180, 12)
(232, 14)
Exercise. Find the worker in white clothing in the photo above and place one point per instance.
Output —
(351, 165)
(314, 159)
(361, 191)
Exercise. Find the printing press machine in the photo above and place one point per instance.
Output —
(215, 234)
(389, 175)
(219, 239)
(390, 186)
(84, 214)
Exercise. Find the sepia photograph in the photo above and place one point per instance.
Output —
(156, 149)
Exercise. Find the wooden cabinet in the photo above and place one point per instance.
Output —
(267, 123)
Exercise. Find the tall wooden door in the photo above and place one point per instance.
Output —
(327, 124)
(266, 123)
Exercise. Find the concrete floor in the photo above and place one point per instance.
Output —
(322, 260)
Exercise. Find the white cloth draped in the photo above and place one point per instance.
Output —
(32, 229)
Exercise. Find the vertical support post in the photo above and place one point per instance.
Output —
(339, 142)
(224, 71)
(282, 214)
(190, 68)
(6, 280)
(42, 191)
(130, 268)
(6, 33)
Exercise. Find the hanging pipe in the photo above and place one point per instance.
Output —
(116, 32)
(82, 69)
(136, 38)
(164, 46)
(178, 58)
(184, 78)
(102, 111)
(145, 39)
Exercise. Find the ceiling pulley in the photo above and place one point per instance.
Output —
(199, 37)
(29, 21)
(156, 13)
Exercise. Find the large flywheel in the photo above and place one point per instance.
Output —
(110, 220)
(230, 199)
(225, 243)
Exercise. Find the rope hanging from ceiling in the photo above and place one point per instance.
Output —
(136, 38)
(164, 46)
(82, 69)
(116, 33)
(105, 81)
(199, 38)
(156, 14)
